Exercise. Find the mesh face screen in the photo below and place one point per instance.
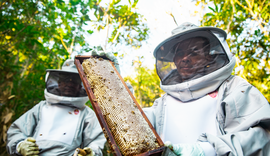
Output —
(190, 59)
(65, 84)
(129, 128)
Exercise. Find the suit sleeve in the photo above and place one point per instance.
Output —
(22, 128)
(244, 118)
(254, 141)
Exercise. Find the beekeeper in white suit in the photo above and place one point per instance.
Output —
(206, 111)
(61, 123)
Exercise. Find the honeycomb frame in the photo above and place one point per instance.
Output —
(115, 117)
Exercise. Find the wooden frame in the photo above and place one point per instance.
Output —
(157, 152)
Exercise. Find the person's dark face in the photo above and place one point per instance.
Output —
(69, 84)
(191, 57)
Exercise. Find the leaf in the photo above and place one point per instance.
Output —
(115, 54)
(7, 118)
(211, 9)
(90, 31)
(9, 75)
(4, 132)
(8, 37)
(10, 97)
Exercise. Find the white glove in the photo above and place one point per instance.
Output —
(89, 151)
(28, 147)
(109, 55)
(186, 149)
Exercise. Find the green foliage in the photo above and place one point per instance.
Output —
(145, 84)
(36, 35)
(125, 24)
(24, 59)
(247, 24)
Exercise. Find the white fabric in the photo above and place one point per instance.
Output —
(68, 66)
(208, 149)
(185, 122)
(78, 102)
(197, 88)
(17, 147)
(58, 123)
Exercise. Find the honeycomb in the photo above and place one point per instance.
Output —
(130, 130)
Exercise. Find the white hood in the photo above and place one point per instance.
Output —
(77, 102)
(201, 83)
(194, 89)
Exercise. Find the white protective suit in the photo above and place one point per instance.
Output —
(242, 114)
(60, 125)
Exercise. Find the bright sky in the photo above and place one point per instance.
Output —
(156, 13)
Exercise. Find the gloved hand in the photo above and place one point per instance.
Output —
(109, 55)
(89, 151)
(28, 147)
(186, 149)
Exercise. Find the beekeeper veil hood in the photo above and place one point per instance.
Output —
(191, 52)
(193, 61)
(65, 86)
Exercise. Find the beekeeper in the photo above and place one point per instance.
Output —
(61, 123)
(206, 110)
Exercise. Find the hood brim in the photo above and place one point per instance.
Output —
(166, 45)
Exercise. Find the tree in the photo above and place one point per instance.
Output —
(23, 57)
(247, 24)
(36, 35)
(145, 84)
(127, 24)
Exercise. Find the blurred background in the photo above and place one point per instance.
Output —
(36, 35)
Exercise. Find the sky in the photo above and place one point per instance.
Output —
(160, 23)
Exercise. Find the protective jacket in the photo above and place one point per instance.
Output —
(59, 125)
(242, 114)
(242, 120)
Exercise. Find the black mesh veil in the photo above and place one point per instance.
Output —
(189, 57)
(65, 84)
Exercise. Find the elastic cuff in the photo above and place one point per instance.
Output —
(17, 152)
